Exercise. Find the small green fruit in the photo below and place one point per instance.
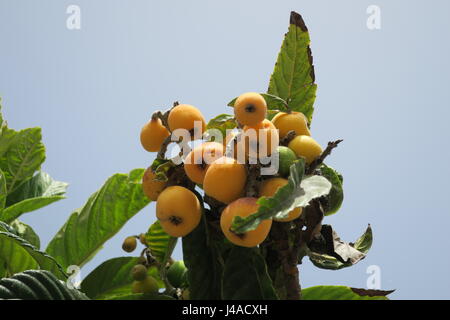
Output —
(139, 272)
(129, 244)
(287, 158)
(176, 274)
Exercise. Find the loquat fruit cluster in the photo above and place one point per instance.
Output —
(221, 168)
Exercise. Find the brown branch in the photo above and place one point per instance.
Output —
(317, 162)
(287, 138)
(253, 172)
(162, 151)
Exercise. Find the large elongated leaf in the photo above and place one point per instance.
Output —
(293, 77)
(157, 241)
(201, 257)
(22, 155)
(330, 252)
(37, 285)
(246, 276)
(112, 279)
(34, 194)
(19, 255)
(37, 192)
(104, 214)
(342, 293)
(296, 193)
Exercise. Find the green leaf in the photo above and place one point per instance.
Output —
(19, 255)
(23, 157)
(296, 193)
(3, 192)
(113, 279)
(201, 257)
(26, 232)
(273, 102)
(37, 285)
(342, 293)
(364, 243)
(333, 201)
(35, 193)
(293, 76)
(222, 122)
(161, 167)
(103, 215)
(329, 252)
(40, 185)
(246, 277)
(157, 241)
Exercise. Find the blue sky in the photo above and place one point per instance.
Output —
(385, 92)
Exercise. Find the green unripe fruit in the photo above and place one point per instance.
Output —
(139, 272)
(129, 244)
(176, 274)
(148, 285)
(286, 159)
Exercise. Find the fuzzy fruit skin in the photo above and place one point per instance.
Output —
(207, 153)
(139, 272)
(286, 159)
(265, 132)
(183, 116)
(153, 134)
(243, 207)
(225, 180)
(129, 244)
(151, 187)
(178, 210)
(295, 121)
(269, 188)
(250, 108)
(148, 285)
(306, 147)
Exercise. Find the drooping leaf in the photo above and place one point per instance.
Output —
(333, 201)
(26, 232)
(293, 77)
(157, 241)
(23, 155)
(364, 243)
(201, 257)
(329, 252)
(103, 215)
(35, 193)
(37, 285)
(18, 255)
(296, 193)
(342, 293)
(113, 279)
(246, 276)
